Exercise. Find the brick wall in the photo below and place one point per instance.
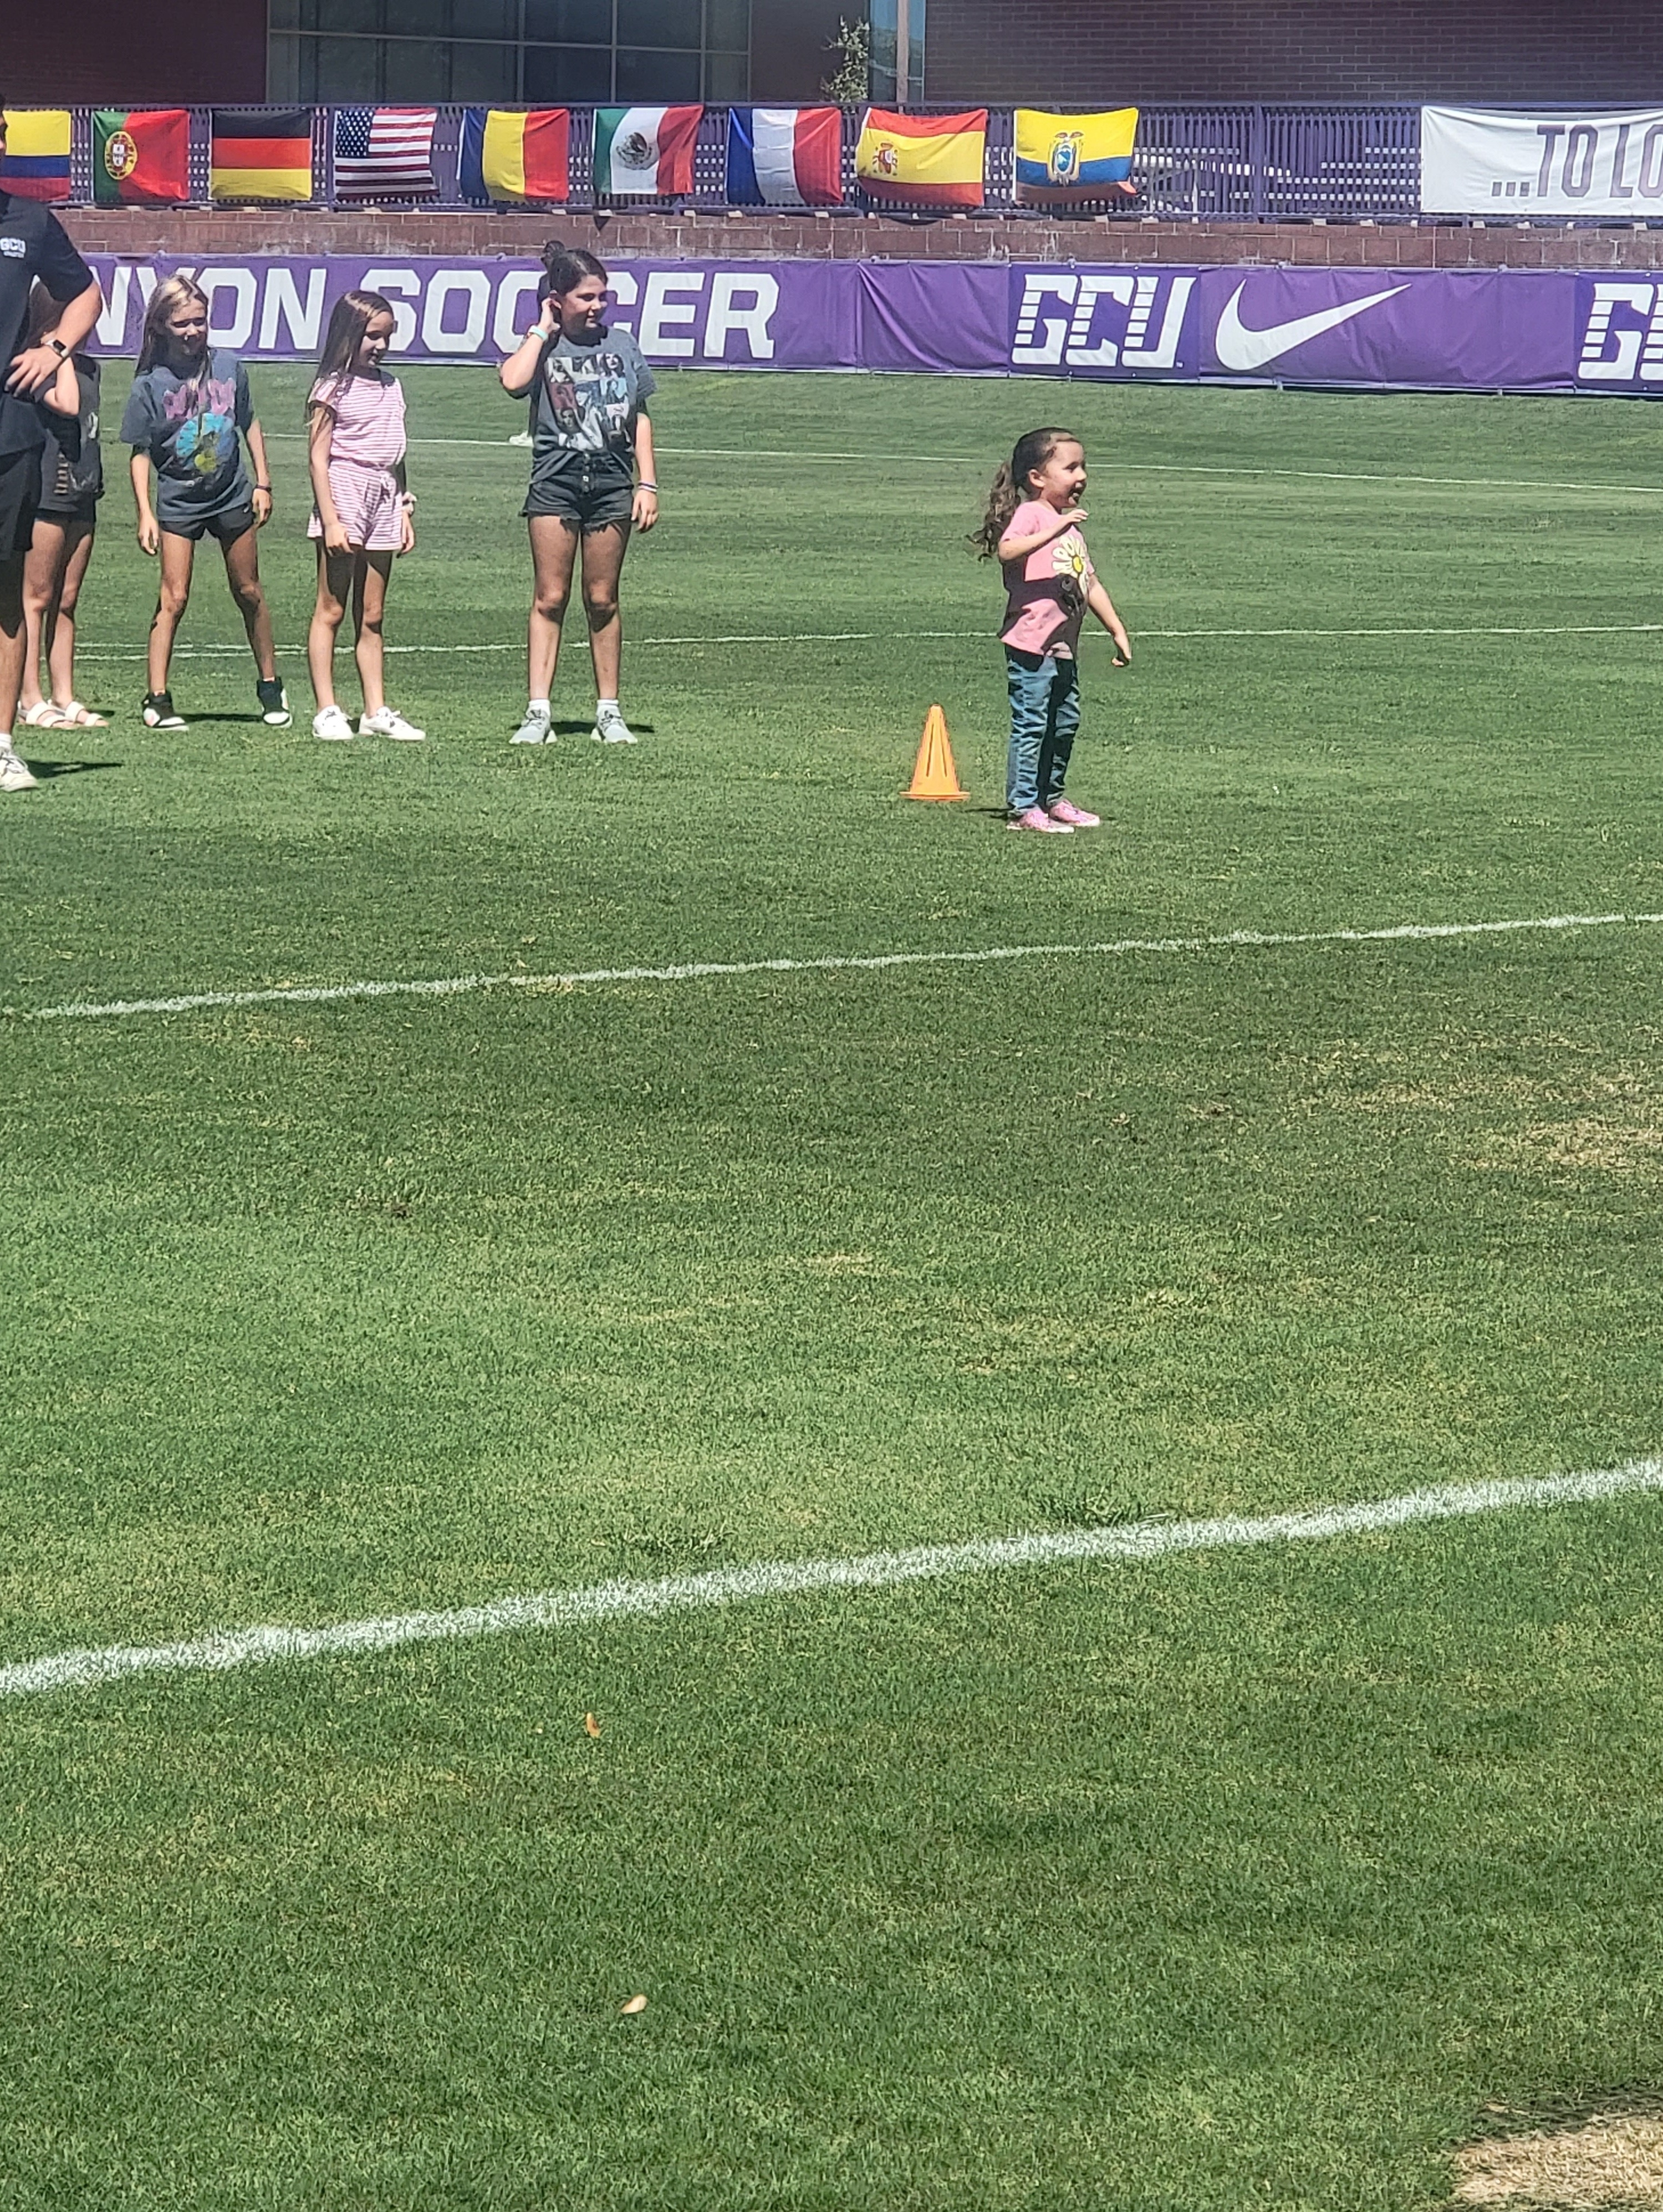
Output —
(1479, 50)
(234, 236)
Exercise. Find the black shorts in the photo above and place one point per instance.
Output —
(226, 527)
(79, 506)
(593, 490)
(19, 496)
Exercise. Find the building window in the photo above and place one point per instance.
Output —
(529, 51)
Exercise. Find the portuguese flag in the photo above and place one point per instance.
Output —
(140, 156)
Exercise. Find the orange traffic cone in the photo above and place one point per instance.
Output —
(934, 774)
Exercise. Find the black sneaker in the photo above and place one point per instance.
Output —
(160, 713)
(274, 702)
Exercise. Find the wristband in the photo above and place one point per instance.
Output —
(647, 484)
(266, 488)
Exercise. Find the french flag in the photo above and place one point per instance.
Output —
(785, 156)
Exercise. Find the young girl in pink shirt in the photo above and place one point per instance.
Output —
(1032, 524)
(363, 515)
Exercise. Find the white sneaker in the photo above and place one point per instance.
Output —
(14, 773)
(389, 723)
(522, 438)
(332, 725)
(611, 729)
(535, 730)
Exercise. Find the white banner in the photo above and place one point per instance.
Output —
(1477, 160)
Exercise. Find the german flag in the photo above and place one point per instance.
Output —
(261, 153)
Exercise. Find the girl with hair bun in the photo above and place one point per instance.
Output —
(363, 515)
(592, 476)
(187, 414)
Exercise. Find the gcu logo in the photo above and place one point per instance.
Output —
(1615, 350)
(1073, 340)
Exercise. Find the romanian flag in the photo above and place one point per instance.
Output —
(140, 156)
(1064, 159)
(928, 160)
(647, 151)
(785, 156)
(35, 164)
(510, 155)
(261, 153)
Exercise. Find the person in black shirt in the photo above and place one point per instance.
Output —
(33, 247)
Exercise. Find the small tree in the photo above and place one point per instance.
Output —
(851, 81)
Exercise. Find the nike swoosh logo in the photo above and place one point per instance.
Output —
(1239, 348)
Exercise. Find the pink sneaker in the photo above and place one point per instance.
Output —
(1074, 817)
(1037, 818)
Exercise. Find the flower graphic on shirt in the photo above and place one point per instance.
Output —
(1071, 563)
(1068, 557)
(207, 436)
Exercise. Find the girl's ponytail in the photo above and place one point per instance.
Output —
(1009, 486)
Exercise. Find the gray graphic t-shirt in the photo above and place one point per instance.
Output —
(189, 426)
(588, 396)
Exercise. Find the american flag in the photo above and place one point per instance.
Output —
(383, 153)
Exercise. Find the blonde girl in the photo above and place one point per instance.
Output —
(363, 513)
(187, 416)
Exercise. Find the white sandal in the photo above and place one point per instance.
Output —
(78, 717)
(46, 714)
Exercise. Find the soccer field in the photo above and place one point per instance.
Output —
(1254, 1873)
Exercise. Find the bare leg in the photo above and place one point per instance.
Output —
(369, 599)
(554, 554)
(11, 638)
(242, 573)
(177, 555)
(60, 629)
(43, 579)
(335, 582)
(602, 558)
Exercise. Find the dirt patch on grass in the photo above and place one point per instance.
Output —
(1613, 2162)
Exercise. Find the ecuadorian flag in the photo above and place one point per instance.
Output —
(35, 164)
(928, 160)
(510, 154)
(1064, 158)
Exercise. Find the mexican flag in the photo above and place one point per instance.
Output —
(646, 150)
(142, 156)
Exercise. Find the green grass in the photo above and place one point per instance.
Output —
(1222, 1881)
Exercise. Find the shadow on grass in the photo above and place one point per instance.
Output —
(566, 726)
(48, 771)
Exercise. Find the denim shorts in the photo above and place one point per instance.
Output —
(594, 491)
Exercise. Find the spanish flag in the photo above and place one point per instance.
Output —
(261, 153)
(1062, 160)
(35, 164)
(511, 156)
(927, 161)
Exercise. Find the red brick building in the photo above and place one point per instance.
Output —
(1482, 51)
(1042, 51)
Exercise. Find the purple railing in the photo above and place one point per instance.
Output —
(1230, 162)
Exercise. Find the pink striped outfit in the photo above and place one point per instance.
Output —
(368, 439)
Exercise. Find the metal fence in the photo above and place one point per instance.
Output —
(1243, 163)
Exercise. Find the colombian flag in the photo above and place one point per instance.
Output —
(510, 155)
(261, 153)
(928, 160)
(36, 163)
(140, 156)
(1064, 159)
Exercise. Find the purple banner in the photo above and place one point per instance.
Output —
(1448, 330)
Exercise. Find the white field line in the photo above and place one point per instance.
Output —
(880, 637)
(694, 971)
(612, 1600)
(1121, 468)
